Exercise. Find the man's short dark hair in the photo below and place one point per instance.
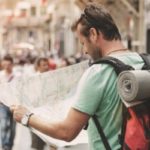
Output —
(8, 58)
(96, 16)
(39, 60)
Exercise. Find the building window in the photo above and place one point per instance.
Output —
(33, 11)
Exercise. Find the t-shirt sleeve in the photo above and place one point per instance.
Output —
(90, 90)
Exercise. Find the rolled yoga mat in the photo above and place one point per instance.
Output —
(134, 86)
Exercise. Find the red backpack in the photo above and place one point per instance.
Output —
(135, 134)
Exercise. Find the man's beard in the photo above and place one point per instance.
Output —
(96, 54)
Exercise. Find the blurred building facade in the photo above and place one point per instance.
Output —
(37, 23)
(26, 24)
(147, 22)
(46, 24)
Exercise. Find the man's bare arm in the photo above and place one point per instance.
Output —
(65, 130)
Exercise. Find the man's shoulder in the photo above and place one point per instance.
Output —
(127, 55)
(93, 70)
(129, 58)
(95, 73)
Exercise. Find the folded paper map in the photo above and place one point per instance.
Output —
(49, 94)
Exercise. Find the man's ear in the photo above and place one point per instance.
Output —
(93, 34)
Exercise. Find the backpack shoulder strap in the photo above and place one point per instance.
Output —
(117, 64)
(146, 59)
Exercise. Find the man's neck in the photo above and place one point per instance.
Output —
(112, 47)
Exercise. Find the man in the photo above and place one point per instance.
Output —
(7, 124)
(96, 92)
(41, 65)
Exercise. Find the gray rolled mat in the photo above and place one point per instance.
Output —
(134, 86)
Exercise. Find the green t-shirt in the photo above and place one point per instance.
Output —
(97, 94)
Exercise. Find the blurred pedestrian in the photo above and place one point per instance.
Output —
(52, 63)
(7, 124)
(41, 65)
